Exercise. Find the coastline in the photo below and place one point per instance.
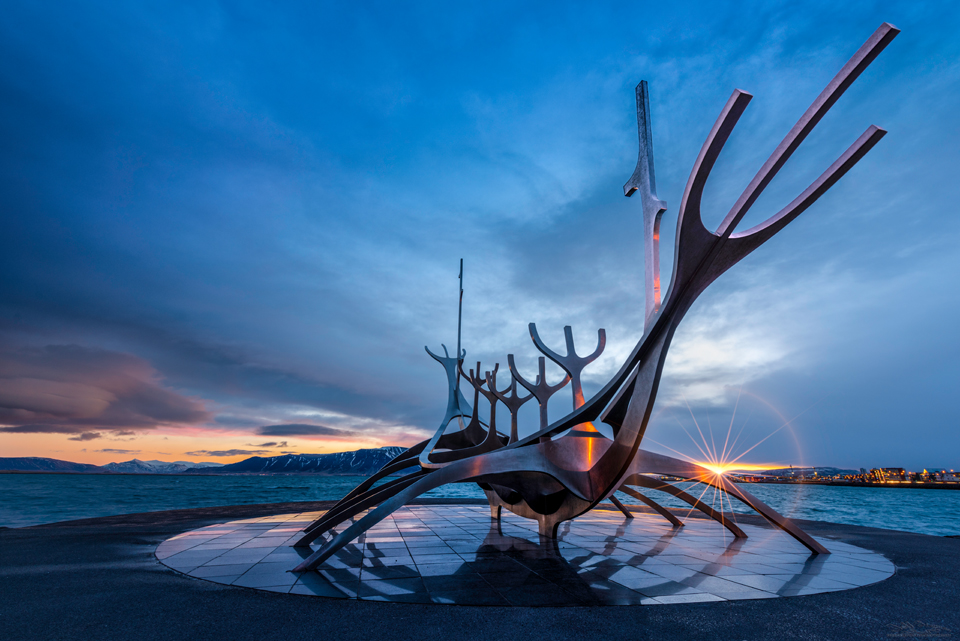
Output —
(901, 486)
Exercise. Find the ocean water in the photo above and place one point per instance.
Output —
(33, 499)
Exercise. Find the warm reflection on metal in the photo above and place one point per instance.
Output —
(564, 470)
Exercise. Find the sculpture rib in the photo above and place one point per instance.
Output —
(358, 504)
(659, 509)
(716, 515)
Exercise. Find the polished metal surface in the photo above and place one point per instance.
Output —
(563, 470)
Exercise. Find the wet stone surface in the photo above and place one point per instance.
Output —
(457, 555)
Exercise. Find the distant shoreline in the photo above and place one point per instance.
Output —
(901, 486)
(190, 474)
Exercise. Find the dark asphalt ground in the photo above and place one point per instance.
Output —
(98, 579)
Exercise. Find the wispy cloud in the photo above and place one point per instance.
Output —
(299, 429)
(220, 453)
(86, 436)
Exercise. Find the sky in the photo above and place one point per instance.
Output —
(231, 230)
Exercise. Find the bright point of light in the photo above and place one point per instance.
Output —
(723, 468)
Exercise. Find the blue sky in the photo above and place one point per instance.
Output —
(223, 219)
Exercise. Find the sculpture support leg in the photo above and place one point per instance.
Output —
(719, 517)
(659, 509)
(620, 506)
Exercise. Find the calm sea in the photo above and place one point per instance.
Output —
(32, 499)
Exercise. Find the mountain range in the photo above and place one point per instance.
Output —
(137, 466)
(358, 463)
(808, 471)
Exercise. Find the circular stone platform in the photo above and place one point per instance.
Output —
(458, 555)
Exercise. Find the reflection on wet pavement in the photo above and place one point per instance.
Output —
(457, 554)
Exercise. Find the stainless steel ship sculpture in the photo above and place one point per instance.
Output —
(568, 467)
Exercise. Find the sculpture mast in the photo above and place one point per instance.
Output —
(459, 325)
(644, 181)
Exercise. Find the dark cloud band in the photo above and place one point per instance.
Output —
(228, 452)
(300, 429)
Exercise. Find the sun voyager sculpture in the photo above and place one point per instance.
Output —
(568, 467)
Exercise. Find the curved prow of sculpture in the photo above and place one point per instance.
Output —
(722, 249)
(700, 256)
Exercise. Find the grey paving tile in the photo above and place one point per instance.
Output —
(688, 598)
(443, 569)
(421, 559)
(233, 558)
(262, 580)
(327, 590)
(223, 580)
(390, 572)
(666, 588)
(208, 571)
(391, 587)
(471, 597)
(387, 560)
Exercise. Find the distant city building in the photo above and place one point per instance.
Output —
(888, 474)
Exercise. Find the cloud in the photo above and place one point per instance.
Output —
(42, 428)
(86, 436)
(300, 429)
(69, 389)
(114, 451)
(124, 433)
(228, 452)
(270, 444)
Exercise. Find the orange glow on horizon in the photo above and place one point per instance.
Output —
(191, 444)
(724, 468)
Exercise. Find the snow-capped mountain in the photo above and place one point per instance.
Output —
(360, 463)
(137, 466)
